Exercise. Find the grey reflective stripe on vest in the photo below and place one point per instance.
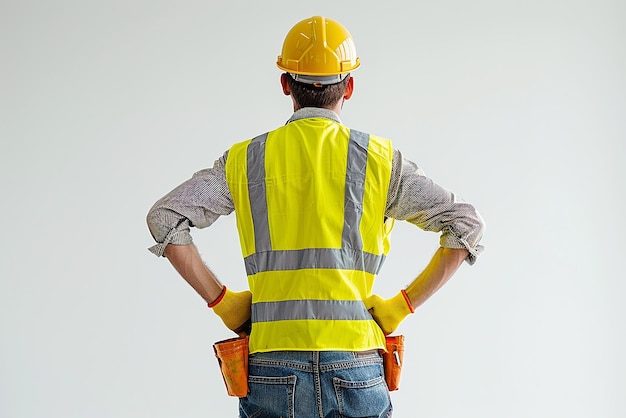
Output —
(350, 257)
(355, 189)
(317, 258)
(336, 310)
(257, 193)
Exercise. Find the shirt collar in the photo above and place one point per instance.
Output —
(314, 112)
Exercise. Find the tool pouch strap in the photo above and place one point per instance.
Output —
(393, 358)
(232, 356)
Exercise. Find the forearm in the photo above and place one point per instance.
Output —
(439, 270)
(187, 261)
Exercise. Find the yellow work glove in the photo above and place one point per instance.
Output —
(234, 308)
(388, 313)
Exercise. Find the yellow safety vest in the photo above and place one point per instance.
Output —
(310, 201)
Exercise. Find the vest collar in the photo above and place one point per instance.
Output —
(314, 112)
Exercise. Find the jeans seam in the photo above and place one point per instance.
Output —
(347, 365)
(281, 363)
(317, 383)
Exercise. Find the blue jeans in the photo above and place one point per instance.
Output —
(316, 384)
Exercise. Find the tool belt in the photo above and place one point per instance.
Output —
(232, 357)
(393, 358)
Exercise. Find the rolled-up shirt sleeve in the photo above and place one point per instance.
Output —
(416, 198)
(197, 202)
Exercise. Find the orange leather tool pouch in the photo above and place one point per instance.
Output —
(393, 357)
(232, 356)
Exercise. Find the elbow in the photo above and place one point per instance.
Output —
(480, 226)
(155, 225)
(466, 232)
(474, 239)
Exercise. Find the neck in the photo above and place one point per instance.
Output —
(335, 108)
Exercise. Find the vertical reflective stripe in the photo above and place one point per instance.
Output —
(354, 189)
(257, 193)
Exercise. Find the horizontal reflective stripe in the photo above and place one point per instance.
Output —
(308, 309)
(313, 258)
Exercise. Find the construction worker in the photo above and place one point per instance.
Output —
(315, 202)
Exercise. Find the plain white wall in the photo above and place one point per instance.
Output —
(519, 107)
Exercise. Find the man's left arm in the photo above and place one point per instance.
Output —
(189, 264)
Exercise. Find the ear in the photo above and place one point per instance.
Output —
(349, 89)
(285, 84)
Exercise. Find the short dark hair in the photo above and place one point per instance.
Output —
(308, 95)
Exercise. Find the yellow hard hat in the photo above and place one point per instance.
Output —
(318, 47)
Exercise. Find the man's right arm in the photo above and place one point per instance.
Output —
(417, 199)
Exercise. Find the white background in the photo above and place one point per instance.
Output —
(518, 107)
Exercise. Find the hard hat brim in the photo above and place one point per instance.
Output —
(319, 80)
